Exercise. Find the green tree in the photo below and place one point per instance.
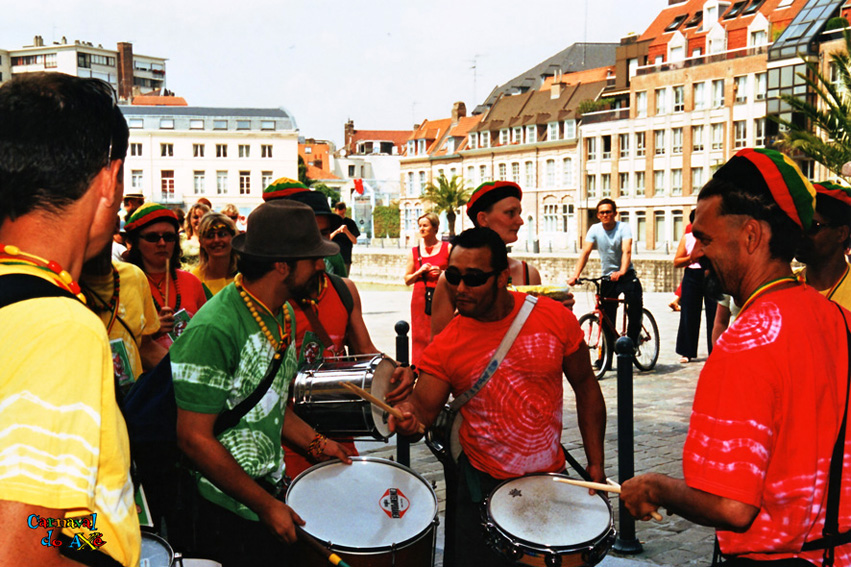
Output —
(447, 196)
(302, 171)
(824, 134)
(386, 220)
(329, 192)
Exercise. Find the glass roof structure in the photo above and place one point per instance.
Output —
(800, 35)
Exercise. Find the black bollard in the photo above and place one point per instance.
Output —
(626, 542)
(403, 447)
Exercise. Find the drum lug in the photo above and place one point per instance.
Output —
(178, 559)
(553, 560)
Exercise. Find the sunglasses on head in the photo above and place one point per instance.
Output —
(221, 233)
(154, 237)
(473, 278)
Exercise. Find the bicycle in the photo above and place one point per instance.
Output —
(598, 341)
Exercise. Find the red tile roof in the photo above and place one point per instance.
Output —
(156, 100)
(398, 137)
(317, 174)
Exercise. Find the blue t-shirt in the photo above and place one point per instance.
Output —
(610, 245)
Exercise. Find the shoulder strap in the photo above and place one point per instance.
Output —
(500, 353)
(20, 287)
(417, 256)
(343, 291)
(316, 326)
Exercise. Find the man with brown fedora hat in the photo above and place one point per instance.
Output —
(220, 360)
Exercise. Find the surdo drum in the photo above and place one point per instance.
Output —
(535, 520)
(372, 513)
(328, 407)
(156, 552)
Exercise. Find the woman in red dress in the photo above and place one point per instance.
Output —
(428, 259)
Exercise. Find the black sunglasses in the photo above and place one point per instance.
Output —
(154, 237)
(473, 278)
(211, 234)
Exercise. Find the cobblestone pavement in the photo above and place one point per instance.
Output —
(662, 405)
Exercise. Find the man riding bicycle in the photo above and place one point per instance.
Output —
(613, 240)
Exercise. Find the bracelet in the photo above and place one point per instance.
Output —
(316, 448)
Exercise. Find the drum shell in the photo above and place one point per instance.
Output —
(324, 404)
(415, 551)
(538, 554)
(156, 551)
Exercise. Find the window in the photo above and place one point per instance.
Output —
(196, 124)
(640, 227)
(421, 147)
(697, 144)
(659, 142)
(422, 182)
(740, 134)
(135, 149)
(641, 104)
(136, 123)
(471, 142)
(567, 172)
(503, 137)
(483, 173)
(167, 150)
(517, 135)
(607, 147)
(550, 217)
(569, 129)
(411, 188)
(244, 150)
(221, 150)
(699, 96)
(676, 140)
(167, 183)
(679, 98)
(591, 186)
(606, 185)
(502, 172)
(661, 100)
(623, 143)
(717, 136)
(244, 182)
(530, 174)
(591, 147)
(717, 93)
(197, 150)
(551, 172)
(266, 150)
(485, 139)
(696, 179)
(740, 85)
(759, 133)
(754, 6)
(136, 179)
(640, 182)
(50, 60)
(267, 125)
(758, 38)
(166, 124)
(552, 131)
(676, 22)
(659, 227)
(759, 86)
(221, 182)
(266, 178)
(243, 124)
(220, 124)
(352, 170)
(515, 172)
(640, 144)
(198, 182)
(623, 184)
(735, 10)
(471, 176)
(531, 134)
(676, 182)
(659, 183)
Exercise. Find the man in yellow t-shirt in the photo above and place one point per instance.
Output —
(64, 454)
(823, 247)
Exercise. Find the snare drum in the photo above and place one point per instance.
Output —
(156, 552)
(324, 404)
(372, 513)
(535, 520)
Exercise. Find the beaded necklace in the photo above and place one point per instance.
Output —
(834, 287)
(158, 286)
(767, 286)
(320, 291)
(249, 299)
(112, 306)
(13, 255)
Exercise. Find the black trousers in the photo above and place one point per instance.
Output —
(630, 287)
(692, 301)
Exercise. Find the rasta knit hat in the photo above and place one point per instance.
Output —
(772, 170)
(283, 187)
(489, 193)
(150, 213)
(838, 192)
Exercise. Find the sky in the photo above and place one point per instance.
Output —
(386, 65)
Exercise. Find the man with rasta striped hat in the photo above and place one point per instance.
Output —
(763, 457)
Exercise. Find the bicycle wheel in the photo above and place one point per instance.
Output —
(647, 352)
(599, 349)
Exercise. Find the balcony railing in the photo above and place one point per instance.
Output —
(605, 115)
(703, 59)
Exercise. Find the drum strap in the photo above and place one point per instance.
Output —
(317, 327)
(500, 353)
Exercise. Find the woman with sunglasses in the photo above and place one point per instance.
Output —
(428, 259)
(152, 235)
(190, 243)
(217, 262)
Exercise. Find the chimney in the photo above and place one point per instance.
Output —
(38, 41)
(125, 70)
(348, 132)
(459, 110)
(555, 90)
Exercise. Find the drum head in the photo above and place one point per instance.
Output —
(353, 506)
(156, 552)
(541, 511)
(381, 376)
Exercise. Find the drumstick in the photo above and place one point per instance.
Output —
(332, 557)
(165, 299)
(614, 487)
(377, 402)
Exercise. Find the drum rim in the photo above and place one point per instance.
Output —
(383, 548)
(542, 547)
(150, 534)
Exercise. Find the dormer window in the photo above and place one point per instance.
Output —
(735, 10)
(676, 23)
(695, 20)
(753, 7)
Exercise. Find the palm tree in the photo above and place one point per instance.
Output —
(825, 133)
(447, 196)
